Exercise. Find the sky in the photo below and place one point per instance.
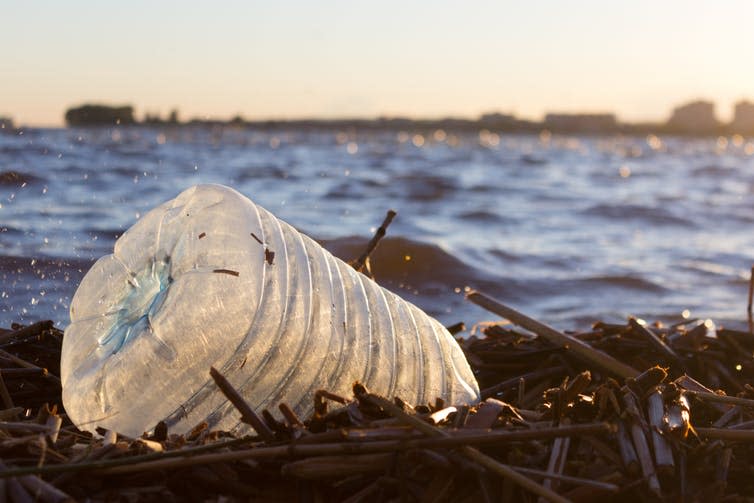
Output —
(420, 58)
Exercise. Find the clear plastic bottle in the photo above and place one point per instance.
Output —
(211, 279)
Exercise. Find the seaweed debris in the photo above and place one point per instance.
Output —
(558, 421)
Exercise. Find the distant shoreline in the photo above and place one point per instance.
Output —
(695, 119)
(411, 125)
(430, 126)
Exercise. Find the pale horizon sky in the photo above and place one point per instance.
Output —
(293, 59)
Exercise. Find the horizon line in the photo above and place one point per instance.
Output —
(146, 115)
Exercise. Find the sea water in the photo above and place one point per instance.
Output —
(569, 229)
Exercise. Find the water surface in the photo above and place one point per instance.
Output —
(568, 229)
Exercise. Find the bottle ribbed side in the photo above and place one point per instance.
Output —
(344, 329)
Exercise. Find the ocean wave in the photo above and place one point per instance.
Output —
(715, 170)
(106, 235)
(42, 265)
(481, 216)
(533, 160)
(425, 187)
(650, 215)
(16, 178)
(718, 269)
(400, 260)
(621, 281)
(10, 231)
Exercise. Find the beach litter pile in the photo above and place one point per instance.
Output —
(629, 412)
(625, 412)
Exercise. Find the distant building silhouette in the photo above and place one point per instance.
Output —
(581, 123)
(695, 117)
(496, 119)
(92, 115)
(743, 117)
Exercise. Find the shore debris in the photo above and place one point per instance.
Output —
(625, 411)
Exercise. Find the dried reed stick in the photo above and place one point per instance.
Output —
(572, 344)
(359, 263)
(248, 416)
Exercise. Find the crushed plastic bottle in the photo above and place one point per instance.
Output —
(211, 279)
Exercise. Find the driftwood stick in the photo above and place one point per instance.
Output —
(751, 300)
(94, 455)
(727, 417)
(486, 414)
(721, 471)
(32, 488)
(23, 363)
(15, 372)
(54, 422)
(94, 461)
(364, 493)
(606, 486)
(359, 263)
(172, 463)
(17, 492)
(638, 435)
(441, 415)
(11, 413)
(291, 418)
(198, 455)
(662, 449)
(579, 348)
(725, 399)
(746, 425)
(470, 452)
(689, 384)
(43, 491)
(109, 437)
(5, 394)
(677, 419)
(322, 467)
(556, 464)
(683, 475)
(248, 416)
(33, 329)
(509, 474)
(726, 434)
(521, 390)
(514, 381)
(627, 451)
(24, 426)
(655, 341)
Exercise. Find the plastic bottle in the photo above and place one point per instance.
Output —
(211, 279)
